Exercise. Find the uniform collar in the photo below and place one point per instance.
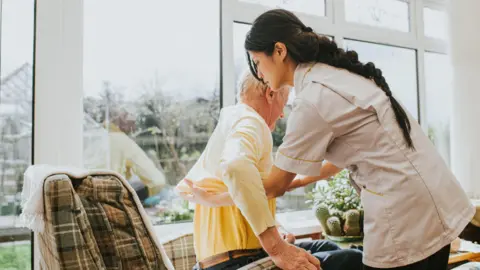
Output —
(300, 77)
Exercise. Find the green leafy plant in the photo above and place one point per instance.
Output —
(174, 216)
(337, 206)
(338, 194)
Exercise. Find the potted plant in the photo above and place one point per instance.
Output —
(337, 207)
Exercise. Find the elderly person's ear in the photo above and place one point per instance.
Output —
(269, 94)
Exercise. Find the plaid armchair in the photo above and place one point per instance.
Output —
(182, 254)
(95, 223)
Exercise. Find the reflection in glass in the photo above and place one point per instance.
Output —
(151, 93)
(398, 66)
(438, 88)
(391, 14)
(16, 96)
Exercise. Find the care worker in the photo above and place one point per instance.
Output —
(344, 112)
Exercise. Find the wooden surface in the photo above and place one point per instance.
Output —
(463, 256)
(313, 236)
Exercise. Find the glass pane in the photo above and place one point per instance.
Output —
(398, 66)
(435, 23)
(151, 86)
(391, 14)
(315, 7)
(438, 87)
(16, 95)
(240, 58)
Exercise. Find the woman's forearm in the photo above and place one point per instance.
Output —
(328, 170)
(277, 182)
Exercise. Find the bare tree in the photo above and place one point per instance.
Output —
(214, 108)
(160, 114)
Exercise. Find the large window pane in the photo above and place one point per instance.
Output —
(398, 66)
(16, 60)
(438, 86)
(239, 55)
(314, 7)
(435, 23)
(151, 85)
(391, 14)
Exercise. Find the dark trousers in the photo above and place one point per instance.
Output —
(438, 261)
(234, 263)
(331, 257)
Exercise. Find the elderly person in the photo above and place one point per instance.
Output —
(237, 158)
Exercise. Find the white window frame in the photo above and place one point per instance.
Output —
(57, 88)
(334, 24)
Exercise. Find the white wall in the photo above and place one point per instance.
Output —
(465, 56)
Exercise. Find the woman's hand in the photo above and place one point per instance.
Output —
(199, 195)
(328, 170)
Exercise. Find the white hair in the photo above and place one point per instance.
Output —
(250, 88)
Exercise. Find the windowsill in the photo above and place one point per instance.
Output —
(297, 222)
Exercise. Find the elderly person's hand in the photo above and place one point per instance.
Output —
(289, 237)
(291, 257)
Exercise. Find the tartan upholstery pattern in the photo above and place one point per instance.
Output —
(181, 252)
(73, 243)
(95, 226)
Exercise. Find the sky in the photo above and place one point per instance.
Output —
(130, 43)
(133, 43)
(16, 34)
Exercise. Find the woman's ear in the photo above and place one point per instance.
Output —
(280, 51)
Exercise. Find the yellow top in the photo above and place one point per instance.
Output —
(220, 229)
(236, 159)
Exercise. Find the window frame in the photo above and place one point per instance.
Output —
(334, 24)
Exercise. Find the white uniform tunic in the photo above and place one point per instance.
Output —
(413, 204)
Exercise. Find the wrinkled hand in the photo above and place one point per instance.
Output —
(289, 237)
(291, 257)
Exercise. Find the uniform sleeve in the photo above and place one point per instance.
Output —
(241, 155)
(306, 141)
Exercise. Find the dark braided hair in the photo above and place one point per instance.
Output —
(305, 46)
